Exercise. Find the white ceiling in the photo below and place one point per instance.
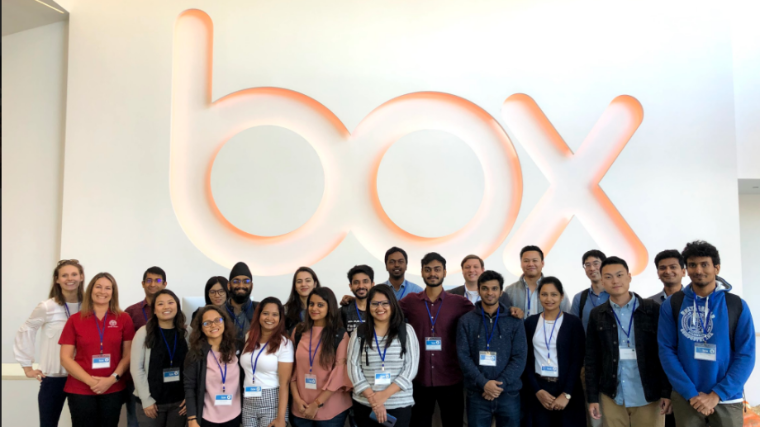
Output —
(20, 15)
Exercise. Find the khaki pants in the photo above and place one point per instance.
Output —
(614, 415)
(730, 415)
(590, 422)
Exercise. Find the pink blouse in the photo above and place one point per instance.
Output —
(221, 414)
(335, 379)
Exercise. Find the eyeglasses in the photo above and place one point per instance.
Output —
(217, 321)
(219, 292)
(150, 281)
(590, 264)
(244, 282)
(73, 261)
(376, 304)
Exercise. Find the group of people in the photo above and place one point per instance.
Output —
(520, 355)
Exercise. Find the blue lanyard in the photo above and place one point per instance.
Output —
(627, 334)
(547, 341)
(66, 307)
(253, 365)
(489, 336)
(171, 352)
(356, 306)
(704, 324)
(223, 373)
(382, 355)
(241, 327)
(434, 319)
(145, 316)
(103, 332)
(311, 357)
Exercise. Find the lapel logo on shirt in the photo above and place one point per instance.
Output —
(691, 327)
(113, 323)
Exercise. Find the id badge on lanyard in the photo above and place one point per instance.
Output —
(549, 370)
(223, 400)
(171, 375)
(487, 358)
(704, 351)
(382, 378)
(101, 361)
(432, 344)
(254, 391)
(311, 382)
(627, 353)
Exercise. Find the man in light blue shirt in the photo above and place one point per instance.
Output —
(396, 262)
(587, 300)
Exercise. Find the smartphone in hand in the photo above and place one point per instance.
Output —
(389, 423)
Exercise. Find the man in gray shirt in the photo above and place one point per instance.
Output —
(671, 269)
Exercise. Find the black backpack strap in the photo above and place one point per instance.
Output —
(676, 301)
(584, 297)
(735, 308)
(402, 335)
(339, 337)
(297, 338)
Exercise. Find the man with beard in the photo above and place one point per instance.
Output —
(396, 262)
(239, 306)
(439, 377)
(360, 279)
(523, 293)
(492, 352)
(671, 269)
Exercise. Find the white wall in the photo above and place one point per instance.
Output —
(749, 217)
(34, 99)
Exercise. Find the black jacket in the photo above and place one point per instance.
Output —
(195, 382)
(570, 348)
(602, 351)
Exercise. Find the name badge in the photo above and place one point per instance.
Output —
(223, 400)
(549, 371)
(171, 375)
(101, 361)
(311, 382)
(487, 358)
(382, 378)
(432, 344)
(254, 391)
(704, 351)
(627, 353)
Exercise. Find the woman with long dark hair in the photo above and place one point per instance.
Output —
(215, 293)
(305, 280)
(556, 344)
(319, 385)
(65, 299)
(383, 356)
(213, 384)
(267, 361)
(95, 350)
(157, 364)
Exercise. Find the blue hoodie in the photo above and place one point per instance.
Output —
(731, 370)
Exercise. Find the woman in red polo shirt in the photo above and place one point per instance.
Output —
(95, 349)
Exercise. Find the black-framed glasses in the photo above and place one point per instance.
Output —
(376, 304)
(150, 281)
(241, 282)
(217, 321)
(218, 292)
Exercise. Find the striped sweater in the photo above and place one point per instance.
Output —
(403, 369)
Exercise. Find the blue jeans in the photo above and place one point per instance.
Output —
(505, 408)
(338, 421)
(50, 400)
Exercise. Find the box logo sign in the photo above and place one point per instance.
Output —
(201, 126)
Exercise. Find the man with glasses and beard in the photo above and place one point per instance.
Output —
(434, 314)
(361, 278)
(239, 306)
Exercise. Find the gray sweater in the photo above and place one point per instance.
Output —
(508, 341)
(518, 295)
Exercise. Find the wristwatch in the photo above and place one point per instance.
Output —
(117, 376)
(567, 396)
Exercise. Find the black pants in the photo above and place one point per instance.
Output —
(361, 416)
(50, 400)
(231, 423)
(574, 414)
(449, 400)
(95, 411)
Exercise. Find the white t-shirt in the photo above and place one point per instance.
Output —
(266, 367)
(473, 296)
(539, 343)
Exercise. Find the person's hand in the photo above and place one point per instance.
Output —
(151, 411)
(182, 409)
(371, 398)
(492, 388)
(705, 403)
(379, 399)
(300, 404)
(193, 423)
(560, 402)
(33, 373)
(665, 406)
(311, 411)
(545, 398)
(346, 300)
(516, 312)
(102, 384)
(486, 396)
(380, 413)
(594, 411)
(277, 422)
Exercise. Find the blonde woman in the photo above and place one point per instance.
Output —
(50, 316)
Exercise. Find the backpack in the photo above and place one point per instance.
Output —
(584, 297)
(361, 330)
(733, 304)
